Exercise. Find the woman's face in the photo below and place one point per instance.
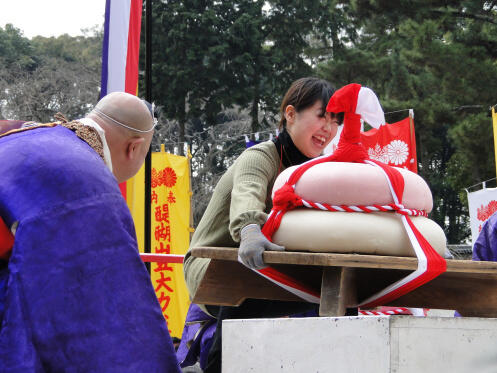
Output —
(311, 129)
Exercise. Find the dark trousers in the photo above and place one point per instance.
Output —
(249, 309)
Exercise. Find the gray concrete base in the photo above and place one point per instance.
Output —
(400, 344)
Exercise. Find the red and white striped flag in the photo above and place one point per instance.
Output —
(121, 46)
(121, 49)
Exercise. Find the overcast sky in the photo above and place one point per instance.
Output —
(52, 17)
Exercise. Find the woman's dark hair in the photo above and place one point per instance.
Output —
(303, 93)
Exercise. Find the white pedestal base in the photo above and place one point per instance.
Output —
(400, 344)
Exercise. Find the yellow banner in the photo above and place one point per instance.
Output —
(170, 234)
(171, 194)
(494, 117)
(135, 198)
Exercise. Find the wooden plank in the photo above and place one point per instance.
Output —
(467, 286)
(473, 294)
(229, 283)
(338, 291)
(345, 260)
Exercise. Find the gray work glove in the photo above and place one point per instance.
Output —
(252, 245)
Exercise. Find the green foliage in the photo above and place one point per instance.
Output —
(85, 50)
(439, 59)
(473, 159)
(16, 50)
(212, 55)
(43, 76)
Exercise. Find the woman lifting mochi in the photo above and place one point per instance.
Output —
(242, 200)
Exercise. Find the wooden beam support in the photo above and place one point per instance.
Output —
(338, 291)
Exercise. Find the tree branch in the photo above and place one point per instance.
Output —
(457, 13)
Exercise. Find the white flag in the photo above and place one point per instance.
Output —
(482, 204)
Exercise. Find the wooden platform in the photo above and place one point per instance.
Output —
(346, 279)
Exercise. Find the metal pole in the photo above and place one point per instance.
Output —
(494, 125)
(148, 97)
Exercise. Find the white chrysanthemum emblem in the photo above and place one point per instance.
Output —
(397, 151)
(378, 153)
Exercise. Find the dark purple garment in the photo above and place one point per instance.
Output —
(75, 295)
(485, 247)
(197, 335)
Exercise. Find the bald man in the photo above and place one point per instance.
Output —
(128, 124)
(74, 293)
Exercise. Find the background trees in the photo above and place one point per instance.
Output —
(220, 69)
(43, 76)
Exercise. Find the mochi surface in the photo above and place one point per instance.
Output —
(378, 233)
(344, 183)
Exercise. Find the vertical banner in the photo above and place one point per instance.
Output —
(121, 45)
(120, 56)
(170, 234)
(393, 144)
(135, 199)
(482, 204)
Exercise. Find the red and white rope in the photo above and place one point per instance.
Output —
(392, 207)
(397, 311)
(422, 248)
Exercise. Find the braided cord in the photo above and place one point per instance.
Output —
(392, 207)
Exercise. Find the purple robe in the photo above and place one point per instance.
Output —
(197, 336)
(74, 295)
(485, 247)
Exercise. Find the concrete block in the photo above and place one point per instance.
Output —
(396, 344)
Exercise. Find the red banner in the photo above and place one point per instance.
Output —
(393, 144)
(9, 125)
(6, 241)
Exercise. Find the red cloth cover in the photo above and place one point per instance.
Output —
(6, 240)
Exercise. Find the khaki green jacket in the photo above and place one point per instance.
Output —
(241, 197)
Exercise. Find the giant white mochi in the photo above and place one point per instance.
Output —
(378, 233)
(344, 183)
(356, 184)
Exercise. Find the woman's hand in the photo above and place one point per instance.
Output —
(252, 244)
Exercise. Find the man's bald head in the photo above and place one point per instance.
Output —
(124, 109)
(129, 126)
